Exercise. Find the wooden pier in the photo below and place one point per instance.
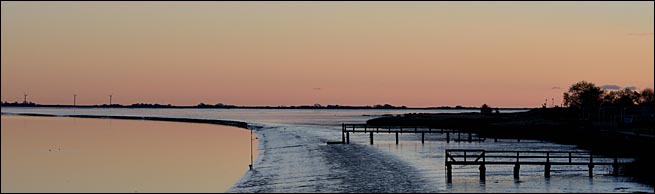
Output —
(520, 158)
(347, 129)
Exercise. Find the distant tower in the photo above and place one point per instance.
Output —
(74, 100)
(110, 96)
(25, 98)
(553, 102)
(546, 104)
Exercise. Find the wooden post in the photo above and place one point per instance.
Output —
(423, 138)
(343, 132)
(591, 165)
(448, 137)
(547, 167)
(347, 138)
(495, 139)
(447, 155)
(483, 173)
(449, 172)
(547, 170)
(396, 138)
(371, 138)
(591, 170)
(547, 157)
(470, 137)
(483, 169)
(615, 167)
(517, 168)
(449, 169)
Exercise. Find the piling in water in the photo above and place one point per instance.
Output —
(371, 138)
(483, 173)
(547, 171)
(347, 138)
(422, 138)
(396, 138)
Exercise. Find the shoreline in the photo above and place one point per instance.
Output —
(238, 124)
(547, 125)
(261, 146)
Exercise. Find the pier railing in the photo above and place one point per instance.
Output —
(347, 129)
(519, 158)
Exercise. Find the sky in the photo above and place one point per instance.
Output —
(417, 54)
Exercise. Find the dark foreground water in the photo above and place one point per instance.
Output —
(294, 157)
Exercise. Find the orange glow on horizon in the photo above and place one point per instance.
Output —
(417, 54)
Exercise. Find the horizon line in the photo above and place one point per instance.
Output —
(228, 106)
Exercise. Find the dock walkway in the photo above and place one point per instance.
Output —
(547, 159)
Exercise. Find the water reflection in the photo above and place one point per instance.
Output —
(295, 158)
(44, 154)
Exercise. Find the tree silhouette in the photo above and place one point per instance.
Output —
(627, 98)
(610, 98)
(584, 97)
(647, 97)
(485, 109)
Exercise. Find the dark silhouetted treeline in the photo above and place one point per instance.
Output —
(227, 106)
(615, 108)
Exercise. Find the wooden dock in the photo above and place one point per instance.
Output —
(547, 159)
(347, 129)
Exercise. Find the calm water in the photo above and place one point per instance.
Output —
(44, 154)
(294, 157)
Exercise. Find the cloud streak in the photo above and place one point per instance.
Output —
(611, 87)
(617, 87)
(631, 87)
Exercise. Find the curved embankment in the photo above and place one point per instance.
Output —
(185, 120)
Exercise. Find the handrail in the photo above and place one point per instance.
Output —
(467, 155)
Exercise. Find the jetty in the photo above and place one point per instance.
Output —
(484, 158)
(347, 129)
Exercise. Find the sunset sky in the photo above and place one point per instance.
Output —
(417, 54)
